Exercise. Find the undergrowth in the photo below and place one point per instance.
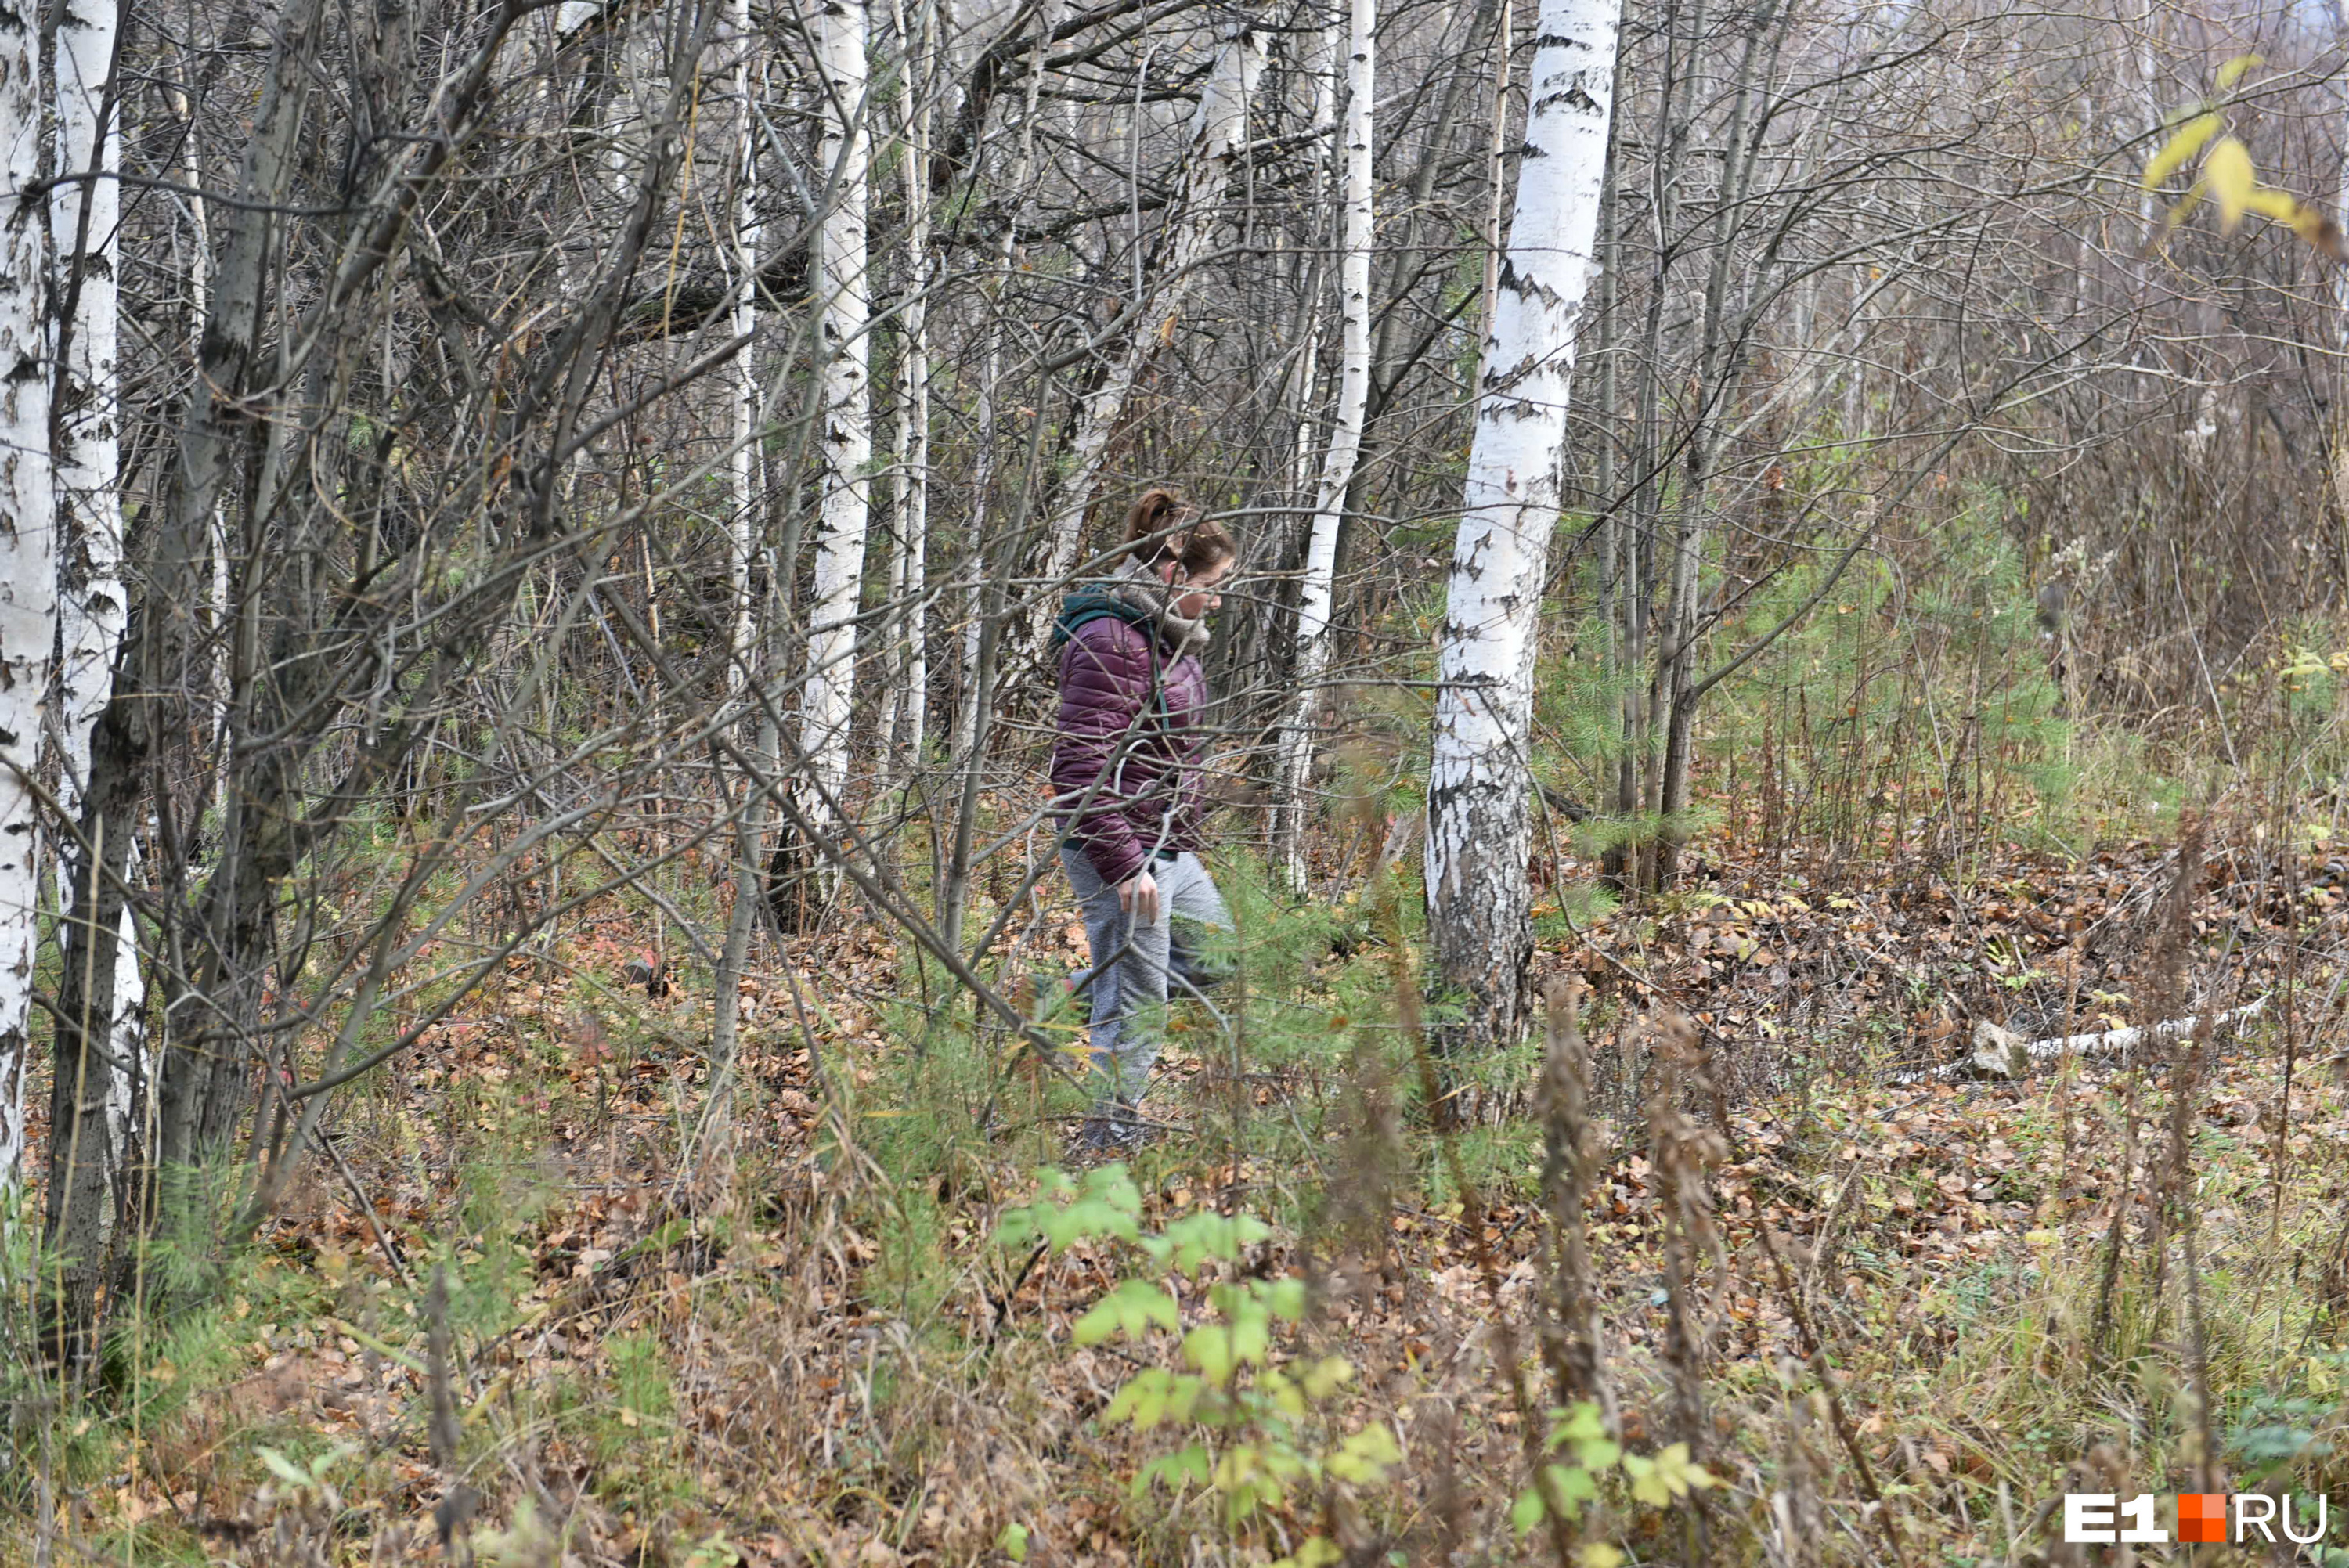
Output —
(1738, 1278)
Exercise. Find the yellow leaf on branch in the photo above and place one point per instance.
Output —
(2232, 182)
(2191, 138)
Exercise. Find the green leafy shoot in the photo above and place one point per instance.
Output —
(1108, 1204)
(1129, 1309)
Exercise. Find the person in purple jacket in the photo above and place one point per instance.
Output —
(1126, 781)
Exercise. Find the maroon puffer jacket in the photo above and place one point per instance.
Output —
(1128, 738)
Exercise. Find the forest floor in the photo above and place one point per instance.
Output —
(509, 1322)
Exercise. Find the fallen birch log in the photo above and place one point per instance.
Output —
(2000, 1054)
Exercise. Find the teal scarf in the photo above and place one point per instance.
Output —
(1137, 597)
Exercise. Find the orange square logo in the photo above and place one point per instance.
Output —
(2201, 1516)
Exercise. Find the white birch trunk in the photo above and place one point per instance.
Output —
(1478, 828)
(1504, 39)
(84, 215)
(1345, 439)
(1322, 65)
(29, 564)
(200, 283)
(912, 575)
(743, 536)
(845, 387)
(912, 585)
(84, 219)
(1218, 136)
(2341, 203)
(2341, 274)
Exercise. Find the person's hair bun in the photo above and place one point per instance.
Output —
(1165, 524)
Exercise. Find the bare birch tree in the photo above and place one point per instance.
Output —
(29, 564)
(748, 471)
(1337, 477)
(85, 224)
(844, 396)
(84, 218)
(1479, 784)
(908, 698)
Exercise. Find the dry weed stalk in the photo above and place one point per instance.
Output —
(1830, 1395)
(1571, 1342)
(2185, 1054)
(1826, 1243)
(2067, 1069)
(2179, 1201)
(2175, 1206)
(1506, 1359)
(1836, 1414)
(2279, 1149)
(2102, 1469)
(1796, 1516)
(2109, 1275)
(2169, 960)
(1683, 1152)
(454, 1513)
(2178, 1207)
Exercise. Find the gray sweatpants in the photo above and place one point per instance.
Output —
(1134, 964)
